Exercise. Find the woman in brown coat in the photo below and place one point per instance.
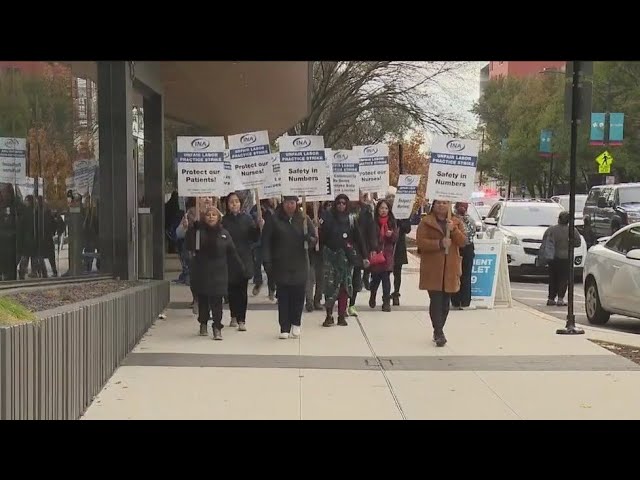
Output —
(440, 272)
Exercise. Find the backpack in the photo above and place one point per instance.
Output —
(547, 250)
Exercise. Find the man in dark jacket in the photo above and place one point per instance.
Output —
(267, 207)
(558, 237)
(285, 241)
(315, 281)
(363, 213)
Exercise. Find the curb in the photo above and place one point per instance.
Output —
(591, 332)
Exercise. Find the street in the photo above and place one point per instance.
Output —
(533, 292)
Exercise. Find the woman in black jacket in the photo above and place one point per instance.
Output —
(285, 257)
(215, 255)
(244, 232)
(341, 252)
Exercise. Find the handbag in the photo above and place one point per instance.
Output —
(377, 258)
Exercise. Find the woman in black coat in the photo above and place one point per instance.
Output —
(285, 257)
(215, 255)
(244, 233)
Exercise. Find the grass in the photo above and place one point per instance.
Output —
(13, 313)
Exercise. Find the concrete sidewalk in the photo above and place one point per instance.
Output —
(498, 364)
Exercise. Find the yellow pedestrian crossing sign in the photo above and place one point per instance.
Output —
(604, 161)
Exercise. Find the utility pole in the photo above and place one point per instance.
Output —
(400, 152)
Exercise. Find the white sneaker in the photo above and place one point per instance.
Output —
(295, 331)
(283, 336)
(470, 307)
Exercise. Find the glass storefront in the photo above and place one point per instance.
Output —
(49, 171)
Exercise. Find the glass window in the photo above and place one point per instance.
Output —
(593, 196)
(49, 171)
(629, 195)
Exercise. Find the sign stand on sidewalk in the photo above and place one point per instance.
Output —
(490, 275)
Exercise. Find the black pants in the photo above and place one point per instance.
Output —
(558, 278)
(439, 309)
(383, 277)
(357, 284)
(290, 305)
(238, 301)
(397, 279)
(210, 305)
(463, 297)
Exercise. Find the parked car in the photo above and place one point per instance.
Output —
(609, 208)
(612, 276)
(581, 200)
(523, 224)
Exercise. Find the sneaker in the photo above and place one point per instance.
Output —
(551, 303)
(217, 333)
(561, 302)
(352, 311)
(284, 335)
(256, 290)
(203, 329)
(342, 321)
(295, 331)
(470, 307)
(242, 327)
(233, 323)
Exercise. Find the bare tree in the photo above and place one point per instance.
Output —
(356, 103)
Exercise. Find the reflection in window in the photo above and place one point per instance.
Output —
(49, 176)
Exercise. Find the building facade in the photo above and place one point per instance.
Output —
(82, 154)
(522, 69)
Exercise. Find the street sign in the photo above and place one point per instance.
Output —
(597, 129)
(610, 180)
(604, 161)
(545, 143)
(616, 128)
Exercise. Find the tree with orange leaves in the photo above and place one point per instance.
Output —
(415, 160)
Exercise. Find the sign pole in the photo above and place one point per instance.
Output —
(570, 328)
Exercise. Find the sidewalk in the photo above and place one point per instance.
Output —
(498, 364)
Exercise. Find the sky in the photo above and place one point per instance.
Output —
(456, 94)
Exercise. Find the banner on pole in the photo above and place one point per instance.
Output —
(452, 170)
(405, 196)
(201, 166)
(303, 165)
(374, 167)
(272, 187)
(250, 156)
(346, 173)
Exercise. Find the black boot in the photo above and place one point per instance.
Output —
(396, 299)
(328, 321)
(203, 329)
(372, 299)
(342, 321)
(439, 338)
(386, 304)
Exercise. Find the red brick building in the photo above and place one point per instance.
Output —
(522, 69)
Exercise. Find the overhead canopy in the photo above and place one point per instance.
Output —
(225, 98)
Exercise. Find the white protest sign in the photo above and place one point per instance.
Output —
(272, 187)
(84, 172)
(346, 173)
(452, 170)
(250, 156)
(303, 165)
(374, 167)
(201, 166)
(486, 267)
(13, 159)
(27, 186)
(405, 196)
(228, 179)
(329, 193)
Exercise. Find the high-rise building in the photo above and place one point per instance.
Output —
(523, 69)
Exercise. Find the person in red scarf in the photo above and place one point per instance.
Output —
(382, 253)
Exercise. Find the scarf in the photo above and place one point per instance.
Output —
(384, 228)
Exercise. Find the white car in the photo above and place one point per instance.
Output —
(581, 200)
(612, 276)
(523, 224)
